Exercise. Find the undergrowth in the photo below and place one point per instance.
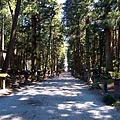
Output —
(111, 100)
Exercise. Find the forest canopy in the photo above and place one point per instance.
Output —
(32, 35)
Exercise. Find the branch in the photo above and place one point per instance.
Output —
(10, 9)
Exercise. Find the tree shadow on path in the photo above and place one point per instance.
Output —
(59, 98)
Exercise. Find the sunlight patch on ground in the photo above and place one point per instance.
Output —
(65, 107)
(87, 106)
(13, 117)
(55, 99)
(52, 89)
(106, 108)
(5, 117)
(82, 105)
(97, 114)
(64, 115)
(51, 111)
(13, 106)
(17, 118)
(24, 98)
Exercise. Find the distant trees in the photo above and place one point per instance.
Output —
(75, 13)
(96, 44)
(38, 41)
(91, 29)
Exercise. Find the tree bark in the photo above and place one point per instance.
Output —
(87, 45)
(109, 64)
(108, 34)
(34, 54)
(3, 34)
(119, 44)
(12, 37)
(119, 49)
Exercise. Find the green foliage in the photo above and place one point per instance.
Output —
(47, 14)
(75, 13)
(117, 103)
(110, 81)
(32, 8)
(115, 74)
(102, 14)
(47, 17)
(6, 15)
(109, 100)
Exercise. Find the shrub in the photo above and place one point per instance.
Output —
(109, 81)
(117, 103)
(109, 100)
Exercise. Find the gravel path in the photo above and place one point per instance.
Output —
(60, 98)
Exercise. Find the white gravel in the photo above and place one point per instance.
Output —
(60, 98)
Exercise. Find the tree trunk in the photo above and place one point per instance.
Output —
(87, 50)
(48, 48)
(119, 49)
(87, 45)
(78, 48)
(108, 34)
(101, 51)
(34, 54)
(109, 64)
(52, 65)
(12, 37)
(2, 40)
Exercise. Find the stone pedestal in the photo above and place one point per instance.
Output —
(117, 88)
(2, 80)
(2, 83)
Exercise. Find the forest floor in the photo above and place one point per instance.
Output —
(58, 98)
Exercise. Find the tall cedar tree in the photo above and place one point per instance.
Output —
(12, 37)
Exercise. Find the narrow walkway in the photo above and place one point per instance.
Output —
(60, 98)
